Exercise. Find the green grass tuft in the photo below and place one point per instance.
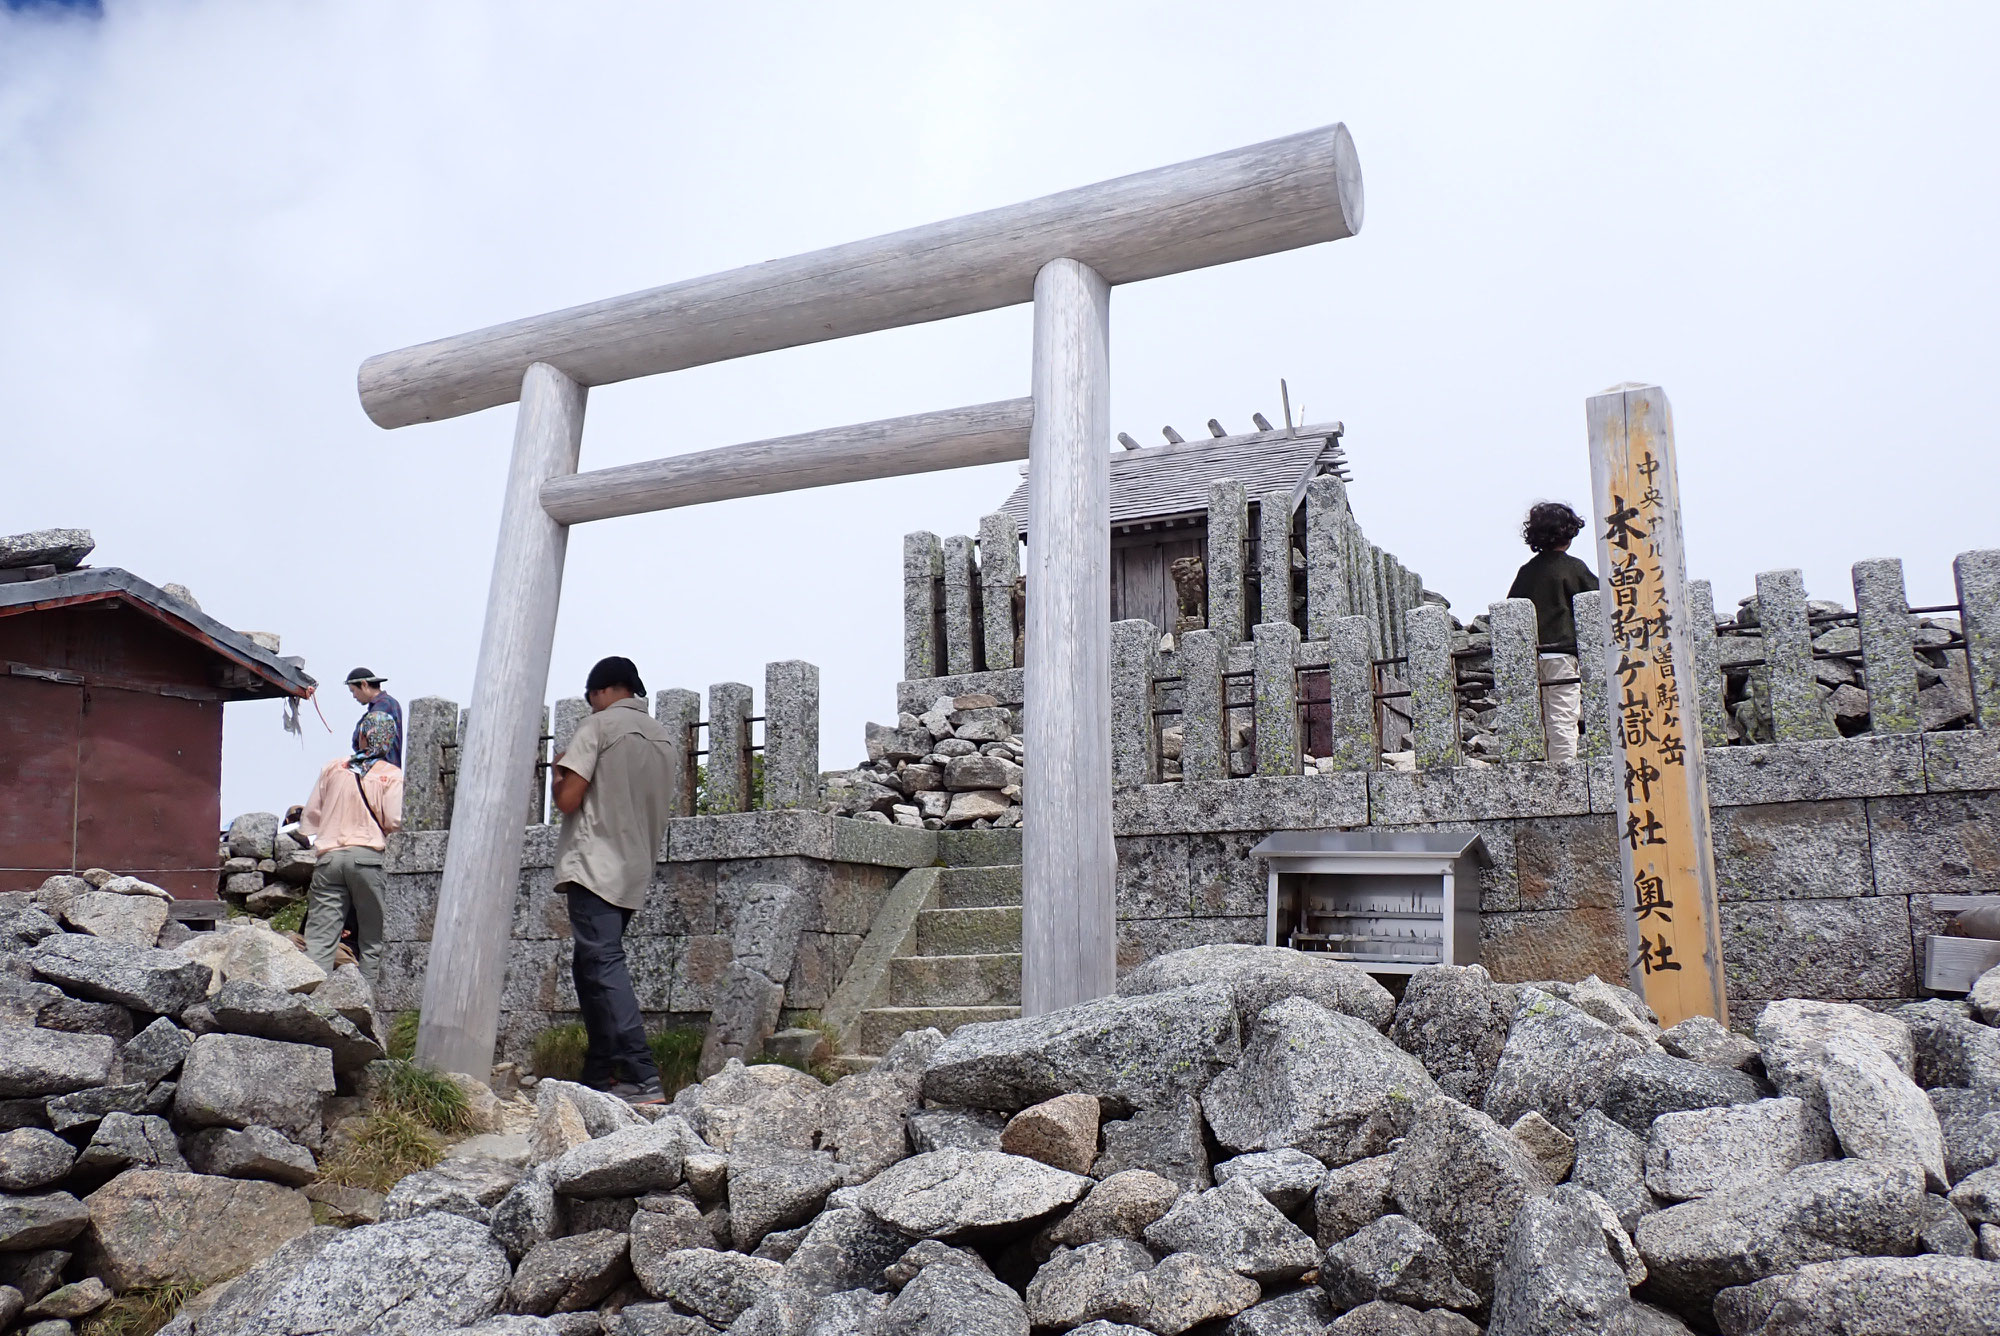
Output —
(432, 1098)
(676, 1052)
(403, 1035)
(139, 1312)
(292, 918)
(558, 1051)
(389, 1146)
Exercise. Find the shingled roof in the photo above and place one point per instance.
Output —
(1156, 482)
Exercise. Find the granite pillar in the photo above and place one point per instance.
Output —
(1796, 712)
(1350, 677)
(729, 706)
(961, 615)
(1204, 721)
(999, 568)
(1326, 556)
(1433, 694)
(1978, 577)
(1275, 661)
(1135, 742)
(1888, 655)
(1228, 526)
(678, 710)
(430, 747)
(791, 734)
(923, 567)
(1708, 679)
(1517, 691)
(1588, 610)
(1274, 557)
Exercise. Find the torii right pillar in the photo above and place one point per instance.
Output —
(1664, 849)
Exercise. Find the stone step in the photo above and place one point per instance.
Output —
(969, 932)
(979, 887)
(955, 981)
(882, 1026)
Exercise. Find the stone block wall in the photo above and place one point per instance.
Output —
(1829, 857)
(678, 945)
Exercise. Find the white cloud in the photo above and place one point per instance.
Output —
(212, 210)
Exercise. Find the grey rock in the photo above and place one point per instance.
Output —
(60, 548)
(79, 1017)
(54, 1326)
(11, 1304)
(584, 1215)
(163, 983)
(1139, 1051)
(1556, 1061)
(528, 1215)
(77, 1299)
(1383, 1318)
(1921, 1296)
(1945, 1231)
(348, 993)
(1705, 1151)
(844, 1250)
(232, 1080)
(1106, 1327)
(1651, 1084)
(1611, 1161)
(34, 1061)
(84, 1108)
(1978, 1197)
(865, 1122)
(774, 1187)
(1262, 975)
(33, 1273)
(511, 1325)
(719, 1286)
(1463, 1177)
(1793, 1034)
(344, 1206)
(1351, 1196)
(253, 1152)
(153, 1054)
(767, 1102)
(1235, 1227)
(39, 1221)
(1877, 1111)
(244, 1006)
(150, 1227)
(954, 1129)
(1060, 1132)
(1185, 1291)
(1620, 1008)
(1166, 1139)
(469, 1188)
(623, 1164)
(1395, 1259)
(654, 1320)
(1815, 1213)
(1083, 1284)
(1287, 1178)
(1317, 1081)
(21, 926)
(133, 919)
(31, 1158)
(955, 1194)
(123, 1140)
(671, 1221)
(252, 835)
(1703, 1039)
(602, 1114)
(1558, 1275)
(1118, 1207)
(1969, 1122)
(1553, 1148)
(1454, 1019)
(954, 1301)
(566, 1275)
(930, 1252)
(1299, 1313)
(56, 891)
(1950, 1048)
(403, 1278)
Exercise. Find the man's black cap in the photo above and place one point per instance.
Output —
(364, 675)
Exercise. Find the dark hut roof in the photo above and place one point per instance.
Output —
(1155, 482)
(251, 672)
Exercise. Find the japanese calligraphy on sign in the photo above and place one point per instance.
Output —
(1664, 848)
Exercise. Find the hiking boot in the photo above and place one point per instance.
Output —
(647, 1092)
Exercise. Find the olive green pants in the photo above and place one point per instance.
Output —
(344, 877)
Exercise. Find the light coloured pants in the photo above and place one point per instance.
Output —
(1560, 706)
(345, 876)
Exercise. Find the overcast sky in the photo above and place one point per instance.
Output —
(212, 210)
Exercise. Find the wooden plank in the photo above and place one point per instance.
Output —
(482, 865)
(1275, 196)
(921, 443)
(1069, 940)
(1664, 849)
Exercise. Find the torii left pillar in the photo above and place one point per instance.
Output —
(469, 944)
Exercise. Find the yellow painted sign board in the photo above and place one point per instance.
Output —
(1664, 849)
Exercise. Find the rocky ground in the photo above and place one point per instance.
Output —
(957, 766)
(1244, 1142)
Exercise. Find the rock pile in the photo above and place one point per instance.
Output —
(163, 1093)
(266, 865)
(956, 766)
(1244, 1142)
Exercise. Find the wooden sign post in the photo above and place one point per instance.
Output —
(1664, 850)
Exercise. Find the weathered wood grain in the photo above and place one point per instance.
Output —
(1068, 904)
(482, 865)
(1285, 193)
(921, 443)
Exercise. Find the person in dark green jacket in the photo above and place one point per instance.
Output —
(1550, 580)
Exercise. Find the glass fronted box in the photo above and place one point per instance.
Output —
(1390, 902)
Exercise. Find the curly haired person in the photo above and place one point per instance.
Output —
(1550, 580)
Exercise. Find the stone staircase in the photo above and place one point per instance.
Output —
(958, 959)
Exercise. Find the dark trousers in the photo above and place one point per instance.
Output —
(610, 1008)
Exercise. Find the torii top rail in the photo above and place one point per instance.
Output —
(1064, 252)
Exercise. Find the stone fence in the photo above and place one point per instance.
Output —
(733, 773)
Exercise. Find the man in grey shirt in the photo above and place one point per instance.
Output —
(615, 786)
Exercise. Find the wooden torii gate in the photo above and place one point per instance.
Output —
(1064, 252)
